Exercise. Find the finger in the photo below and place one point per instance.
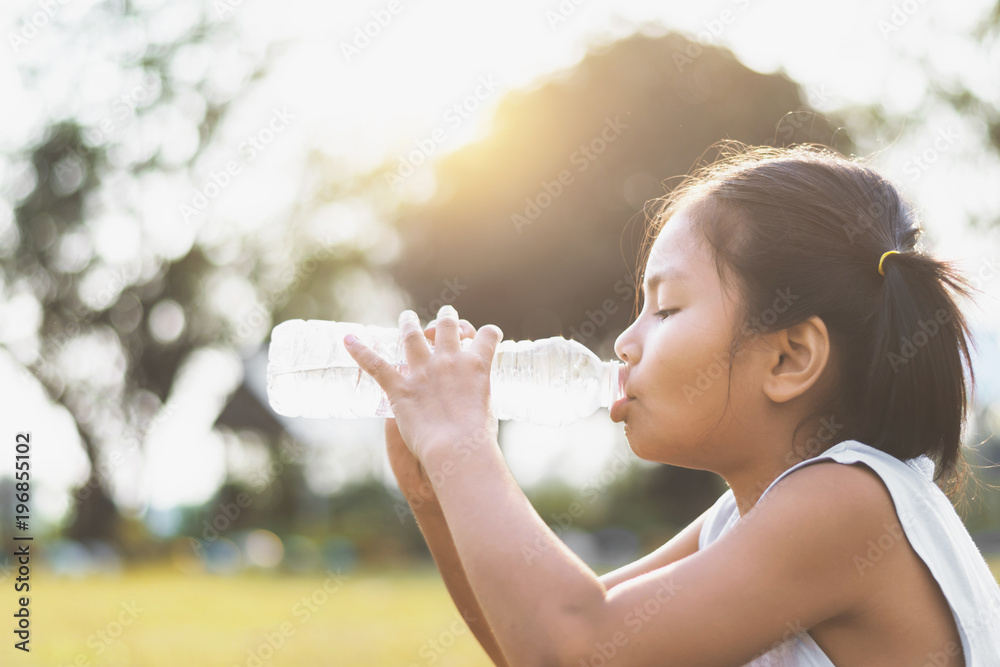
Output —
(466, 330)
(372, 363)
(414, 342)
(485, 342)
(446, 337)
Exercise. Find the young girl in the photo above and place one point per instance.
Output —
(840, 403)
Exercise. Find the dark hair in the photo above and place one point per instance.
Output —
(811, 224)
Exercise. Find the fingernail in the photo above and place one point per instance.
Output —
(350, 339)
(408, 315)
(447, 310)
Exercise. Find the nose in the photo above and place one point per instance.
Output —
(627, 345)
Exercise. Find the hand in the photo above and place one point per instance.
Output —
(443, 400)
(410, 474)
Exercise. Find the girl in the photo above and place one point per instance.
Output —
(841, 402)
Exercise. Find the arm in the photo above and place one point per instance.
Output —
(432, 524)
(419, 493)
(787, 567)
(681, 545)
(789, 560)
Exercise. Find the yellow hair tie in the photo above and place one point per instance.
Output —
(884, 255)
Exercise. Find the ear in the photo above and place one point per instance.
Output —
(796, 359)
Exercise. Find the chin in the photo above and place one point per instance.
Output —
(635, 443)
(650, 449)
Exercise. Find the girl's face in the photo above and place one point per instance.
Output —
(677, 353)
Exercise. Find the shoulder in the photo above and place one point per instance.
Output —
(790, 563)
(846, 485)
(814, 525)
(846, 501)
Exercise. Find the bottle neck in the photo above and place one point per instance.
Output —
(612, 383)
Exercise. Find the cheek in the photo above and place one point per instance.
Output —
(693, 363)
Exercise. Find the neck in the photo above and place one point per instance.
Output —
(751, 479)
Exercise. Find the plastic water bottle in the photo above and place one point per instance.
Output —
(551, 381)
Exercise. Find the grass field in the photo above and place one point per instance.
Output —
(162, 618)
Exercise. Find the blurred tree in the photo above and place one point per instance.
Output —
(530, 228)
(74, 165)
(114, 332)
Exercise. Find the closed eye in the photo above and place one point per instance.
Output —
(662, 314)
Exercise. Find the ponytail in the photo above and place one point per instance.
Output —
(915, 365)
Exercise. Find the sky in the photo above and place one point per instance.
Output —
(366, 81)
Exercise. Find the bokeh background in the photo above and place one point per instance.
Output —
(177, 177)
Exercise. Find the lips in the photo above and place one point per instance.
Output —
(618, 408)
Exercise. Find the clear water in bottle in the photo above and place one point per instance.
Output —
(551, 381)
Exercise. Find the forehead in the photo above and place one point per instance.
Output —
(677, 255)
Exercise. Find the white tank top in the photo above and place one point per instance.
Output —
(936, 533)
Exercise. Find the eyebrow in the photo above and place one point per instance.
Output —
(650, 282)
